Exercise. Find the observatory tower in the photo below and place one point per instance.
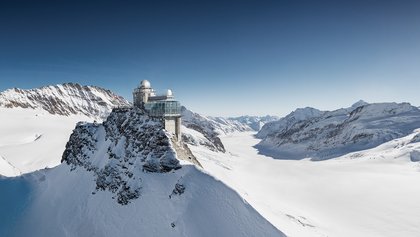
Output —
(164, 107)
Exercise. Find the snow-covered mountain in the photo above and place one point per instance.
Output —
(242, 123)
(318, 134)
(36, 124)
(205, 130)
(296, 116)
(45, 117)
(125, 177)
(66, 99)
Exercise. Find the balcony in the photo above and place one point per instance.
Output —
(163, 108)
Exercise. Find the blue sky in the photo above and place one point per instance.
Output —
(220, 57)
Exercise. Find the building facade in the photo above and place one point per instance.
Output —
(164, 107)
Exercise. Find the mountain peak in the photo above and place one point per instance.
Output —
(305, 113)
(359, 103)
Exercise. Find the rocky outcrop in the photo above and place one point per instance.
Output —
(203, 125)
(416, 138)
(128, 142)
(184, 153)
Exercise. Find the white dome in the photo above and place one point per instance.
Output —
(169, 93)
(145, 84)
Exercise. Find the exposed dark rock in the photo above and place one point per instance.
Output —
(416, 138)
(179, 189)
(130, 141)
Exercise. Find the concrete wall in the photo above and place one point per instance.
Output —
(178, 128)
(170, 125)
(173, 125)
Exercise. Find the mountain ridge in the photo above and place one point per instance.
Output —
(64, 99)
(327, 134)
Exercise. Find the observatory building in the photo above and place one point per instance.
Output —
(164, 107)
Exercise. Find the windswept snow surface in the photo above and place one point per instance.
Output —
(33, 139)
(63, 203)
(7, 169)
(367, 193)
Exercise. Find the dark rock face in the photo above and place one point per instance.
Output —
(416, 138)
(65, 99)
(183, 152)
(128, 142)
(179, 189)
(204, 126)
(213, 141)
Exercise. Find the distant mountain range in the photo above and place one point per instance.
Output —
(309, 132)
(210, 128)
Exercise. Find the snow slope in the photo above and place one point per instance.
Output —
(7, 169)
(33, 139)
(122, 177)
(321, 135)
(207, 208)
(368, 193)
